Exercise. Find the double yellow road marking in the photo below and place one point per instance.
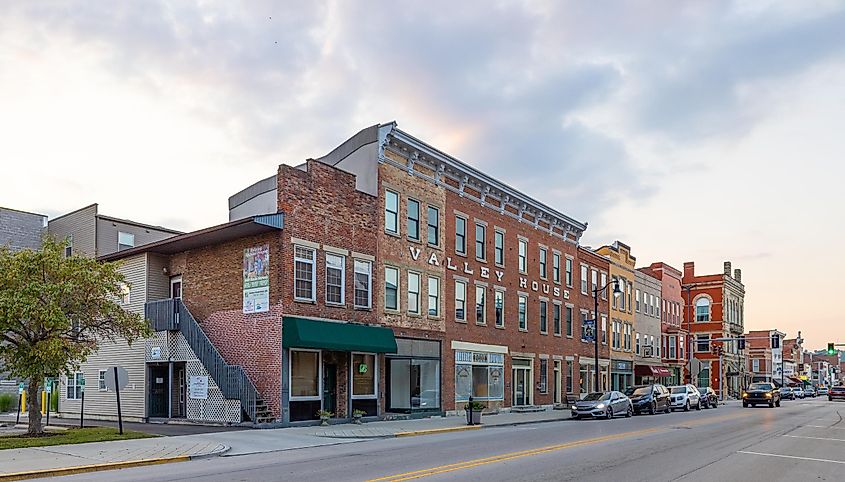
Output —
(468, 464)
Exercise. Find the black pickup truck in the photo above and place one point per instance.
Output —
(761, 393)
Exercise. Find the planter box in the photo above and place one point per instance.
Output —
(476, 417)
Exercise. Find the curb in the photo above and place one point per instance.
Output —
(433, 431)
(82, 469)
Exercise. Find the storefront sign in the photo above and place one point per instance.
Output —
(479, 358)
(362, 368)
(198, 388)
(256, 289)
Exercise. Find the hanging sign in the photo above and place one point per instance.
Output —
(256, 291)
(198, 387)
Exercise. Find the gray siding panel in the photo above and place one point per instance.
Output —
(82, 225)
(158, 283)
(21, 230)
(107, 230)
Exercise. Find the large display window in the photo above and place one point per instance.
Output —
(413, 376)
(480, 375)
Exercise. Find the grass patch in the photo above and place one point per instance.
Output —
(70, 436)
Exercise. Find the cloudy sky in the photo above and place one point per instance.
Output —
(703, 131)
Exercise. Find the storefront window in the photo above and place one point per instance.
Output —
(304, 373)
(363, 375)
(413, 376)
(480, 375)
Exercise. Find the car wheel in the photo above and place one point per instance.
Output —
(668, 408)
(716, 404)
(609, 413)
(698, 407)
(772, 404)
(630, 412)
(686, 407)
(653, 408)
(777, 404)
(744, 404)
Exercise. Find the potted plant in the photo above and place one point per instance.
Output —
(356, 416)
(324, 415)
(474, 410)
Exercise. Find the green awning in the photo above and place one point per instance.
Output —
(331, 335)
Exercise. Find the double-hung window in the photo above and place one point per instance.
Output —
(638, 343)
(584, 279)
(702, 343)
(595, 279)
(480, 317)
(460, 235)
(363, 283)
(391, 288)
(460, 300)
(569, 272)
(414, 219)
(523, 307)
(74, 385)
(604, 283)
(637, 299)
(499, 247)
(413, 292)
(480, 241)
(335, 278)
(101, 381)
(556, 318)
(543, 255)
(556, 267)
(433, 223)
(500, 307)
(433, 296)
(523, 253)
(304, 273)
(568, 321)
(391, 212)
(544, 324)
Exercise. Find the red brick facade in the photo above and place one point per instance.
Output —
(675, 320)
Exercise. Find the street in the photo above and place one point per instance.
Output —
(803, 439)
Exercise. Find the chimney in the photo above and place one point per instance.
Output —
(727, 268)
(689, 269)
(738, 275)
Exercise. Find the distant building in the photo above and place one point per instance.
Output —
(765, 361)
(621, 315)
(648, 365)
(673, 327)
(20, 229)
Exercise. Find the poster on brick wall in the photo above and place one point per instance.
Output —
(257, 279)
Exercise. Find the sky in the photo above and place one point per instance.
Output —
(692, 131)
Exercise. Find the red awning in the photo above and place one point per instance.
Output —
(652, 371)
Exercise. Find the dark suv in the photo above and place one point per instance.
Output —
(835, 393)
(649, 398)
(761, 393)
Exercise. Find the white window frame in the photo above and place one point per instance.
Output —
(483, 305)
(544, 316)
(755, 365)
(556, 267)
(342, 279)
(522, 253)
(557, 329)
(498, 234)
(77, 388)
(462, 300)
(569, 271)
(101, 381)
(584, 281)
(319, 376)
(436, 225)
(69, 246)
(352, 377)
(396, 270)
(369, 273)
(411, 309)
(417, 220)
(637, 338)
(125, 294)
(388, 212)
(436, 295)
(125, 237)
(463, 236)
(496, 295)
(481, 244)
(543, 263)
(522, 313)
(313, 263)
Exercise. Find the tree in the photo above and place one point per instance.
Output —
(54, 310)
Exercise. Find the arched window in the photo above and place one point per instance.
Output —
(702, 309)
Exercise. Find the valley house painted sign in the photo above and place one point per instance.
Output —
(484, 272)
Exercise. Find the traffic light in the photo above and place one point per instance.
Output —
(830, 349)
(775, 341)
(741, 342)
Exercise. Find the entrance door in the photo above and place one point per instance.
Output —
(176, 287)
(557, 382)
(330, 387)
(158, 390)
(179, 389)
(521, 386)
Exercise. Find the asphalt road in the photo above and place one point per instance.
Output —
(802, 440)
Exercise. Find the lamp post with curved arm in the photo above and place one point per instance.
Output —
(616, 293)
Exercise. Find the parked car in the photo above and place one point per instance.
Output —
(798, 391)
(649, 398)
(708, 397)
(823, 391)
(786, 393)
(761, 393)
(836, 393)
(685, 397)
(603, 404)
(810, 392)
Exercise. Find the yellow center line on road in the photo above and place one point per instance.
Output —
(467, 464)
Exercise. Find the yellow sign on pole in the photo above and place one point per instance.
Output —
(804, 377)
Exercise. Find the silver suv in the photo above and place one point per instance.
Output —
(685, 397)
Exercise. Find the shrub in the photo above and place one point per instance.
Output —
(7, 402)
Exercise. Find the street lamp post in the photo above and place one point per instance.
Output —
(596, 291)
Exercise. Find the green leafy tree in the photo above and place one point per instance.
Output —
(54, 310)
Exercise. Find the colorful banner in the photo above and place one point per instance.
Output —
(257, 279)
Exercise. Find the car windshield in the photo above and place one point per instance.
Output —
(797, 389)
(592, 397)
(760, 386)
(702, 390)
(633, 392)
(679, 389)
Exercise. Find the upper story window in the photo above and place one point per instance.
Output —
(568, 313)
(543, 271)
(595, 280)
(584, 279)
(391, 288)
(414, 219)
(460, 235)
(523, 307)
(604, 284)
(556, 318)
(69, 246)
(499, 248)
(569, 272)
(460, 300)
(125, 240)
(480, 242)
(413, 293)
(556, 267)
(480, 305)
(433, 221)
(622, 284)
(523, 255)
(304, 273)
(637, 300)
(702, 343)
(391, 212)
(702, 309)
(124, 294)
(335, 278)
(433, 296)
(500, 308)
(363, 283)
(544, 324)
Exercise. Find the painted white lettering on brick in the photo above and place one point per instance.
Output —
(523, 283)
(415, 252)
(450, 265)
(535, 286)
(499, 275)
(433, 259)
(545, 288)
(484, 272)
(466, 268)
(557, 292)
(566, 294)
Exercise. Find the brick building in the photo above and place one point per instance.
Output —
(621, 314)
(648, 365)
(764, 357)
(672, 321)
(716, 304)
